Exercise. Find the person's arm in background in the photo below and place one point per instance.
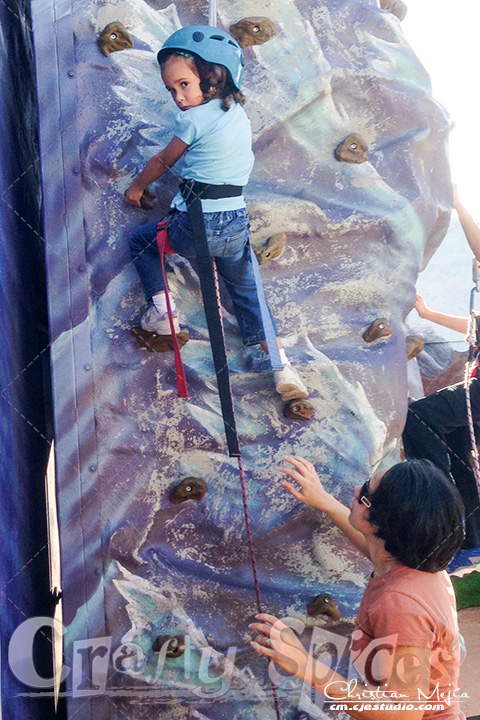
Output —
(470, 227)
(454, 322)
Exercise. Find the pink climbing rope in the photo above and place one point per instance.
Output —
(245, 511)
(470, 337)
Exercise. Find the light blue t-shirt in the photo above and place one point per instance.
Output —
(220, 150)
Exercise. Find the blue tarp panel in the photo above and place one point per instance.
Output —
(25, 429)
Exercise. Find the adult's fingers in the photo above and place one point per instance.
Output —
(299, 462)
(294, 474)
(261, 628)
(292, 490)
(262, 649)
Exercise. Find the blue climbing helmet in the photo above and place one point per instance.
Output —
(211, 44)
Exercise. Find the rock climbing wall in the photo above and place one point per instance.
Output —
(360, 214)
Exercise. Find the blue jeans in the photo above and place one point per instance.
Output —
(228, 242)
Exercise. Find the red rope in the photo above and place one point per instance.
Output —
(245, 509)
(164, 246)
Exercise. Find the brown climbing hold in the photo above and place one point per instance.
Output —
(253, 31)
(324, 604)
(396, 7)
(353, 149)
(147, 201)
(415, 345)
(298, 410)
(377, 329)
(271, 249)
(175, 645)
(113, 37)
(154, 342)
(191, 488)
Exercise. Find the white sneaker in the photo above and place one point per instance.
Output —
(153, 322)
(288, 384)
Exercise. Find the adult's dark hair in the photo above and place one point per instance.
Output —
(418, 512)
(215, 80)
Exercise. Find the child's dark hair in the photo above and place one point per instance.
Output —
(215, 80)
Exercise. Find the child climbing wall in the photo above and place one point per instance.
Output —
(202, 69)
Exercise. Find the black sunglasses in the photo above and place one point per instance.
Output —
(363, 495)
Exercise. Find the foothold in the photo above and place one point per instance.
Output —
(191, 488)
(396, 7)
(114, 36)
(147, 201)
(377, 329)
(156, 343)
(415, 345)
(175, 645)
(353, 149)
(298, 410)
(324, 604)
(253, 31)
(271, 249)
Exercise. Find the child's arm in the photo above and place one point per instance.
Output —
(154, 169)
(313, 493)
(454, 322)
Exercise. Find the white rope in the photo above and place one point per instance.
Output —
(467, 382)
(212, 13)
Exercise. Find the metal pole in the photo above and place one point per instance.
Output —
(212, 13)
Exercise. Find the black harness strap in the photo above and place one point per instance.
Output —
(213, 312)
(193, 188)
(211, 304)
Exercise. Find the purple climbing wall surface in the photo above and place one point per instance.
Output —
(135, 566)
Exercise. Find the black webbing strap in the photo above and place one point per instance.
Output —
(193, 188)
(212, 308)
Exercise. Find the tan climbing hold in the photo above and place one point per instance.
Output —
(396, 7)
(191, 488)
(377, 329)
(324, 604)
(271, 249)
(113, 37)
(298, 410)
(175, 645)
(415, 345)
(147, 201)
(353, 149)
(156, 343)
(253, 31)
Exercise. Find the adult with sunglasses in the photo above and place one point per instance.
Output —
(408, 521)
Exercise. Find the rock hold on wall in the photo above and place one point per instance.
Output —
(253, 31)
(397, 7)
(114, 37)
(353, 149)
